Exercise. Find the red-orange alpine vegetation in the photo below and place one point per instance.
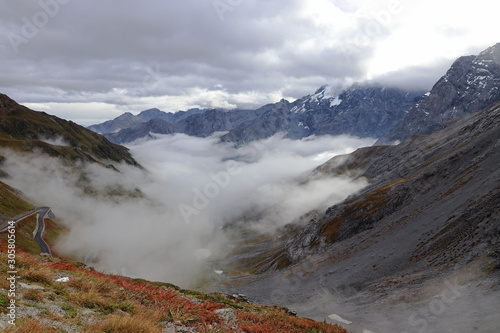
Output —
(148, 306)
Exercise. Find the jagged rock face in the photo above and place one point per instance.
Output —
(429, 168)
(274, 118)
(150, 114)
(471, 84)
(361, 111)
(364, 111)
(211, 121)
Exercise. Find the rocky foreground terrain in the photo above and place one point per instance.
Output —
(56, 295)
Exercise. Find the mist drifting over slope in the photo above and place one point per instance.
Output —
(167, 219)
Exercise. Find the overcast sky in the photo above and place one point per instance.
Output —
(90, 61)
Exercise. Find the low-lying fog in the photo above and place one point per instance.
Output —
(191, 186)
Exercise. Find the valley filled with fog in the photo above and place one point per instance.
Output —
(164, 222)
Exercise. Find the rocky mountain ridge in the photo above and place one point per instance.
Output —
(362, 110)
(128, 120)
(471, 84)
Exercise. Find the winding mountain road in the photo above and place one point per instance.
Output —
(41, 214)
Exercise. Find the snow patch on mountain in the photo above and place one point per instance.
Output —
(336, 101)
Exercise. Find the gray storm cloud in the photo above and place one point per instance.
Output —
(117, 56)
(191, 187)
(93, 48)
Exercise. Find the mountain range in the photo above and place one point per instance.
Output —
(327, 111)
(128, 120)
(364, 110)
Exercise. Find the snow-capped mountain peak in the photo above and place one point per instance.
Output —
(327, 94)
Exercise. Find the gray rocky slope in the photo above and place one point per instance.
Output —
(417, 250)
(471, 84)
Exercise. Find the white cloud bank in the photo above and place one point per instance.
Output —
(192, 187)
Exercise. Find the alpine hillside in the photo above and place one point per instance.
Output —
(22, 129)
(427, 223)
